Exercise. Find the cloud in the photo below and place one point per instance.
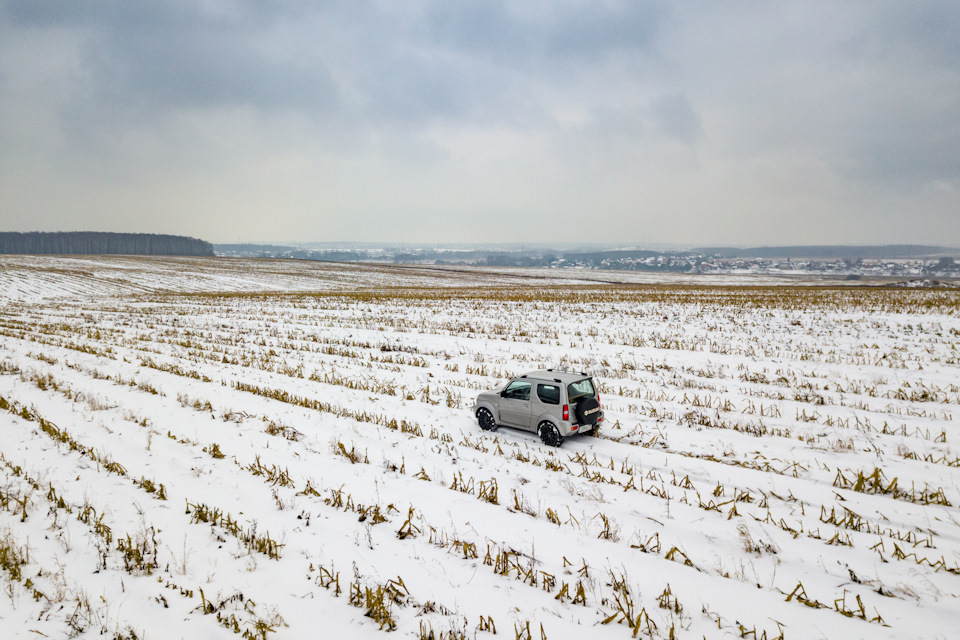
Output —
(544, 33)
(676, 118)
(733, 122)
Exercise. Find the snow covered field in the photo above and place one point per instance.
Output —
(198, 448)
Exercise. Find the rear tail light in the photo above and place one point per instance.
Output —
(566, 412)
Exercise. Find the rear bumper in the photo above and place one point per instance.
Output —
(574, 429)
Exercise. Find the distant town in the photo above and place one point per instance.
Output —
(852, 262)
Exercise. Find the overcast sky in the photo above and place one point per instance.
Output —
(793, 122)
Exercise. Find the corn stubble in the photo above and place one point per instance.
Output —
(773, 417)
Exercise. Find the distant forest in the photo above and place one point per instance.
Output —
(96, 243)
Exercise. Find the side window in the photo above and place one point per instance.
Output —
(518, 390)
(548, 393)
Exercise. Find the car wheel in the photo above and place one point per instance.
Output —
(549, 434)
(485, 418)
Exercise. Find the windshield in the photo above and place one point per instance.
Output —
(580, 389)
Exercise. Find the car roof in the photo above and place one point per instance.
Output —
(555, 375)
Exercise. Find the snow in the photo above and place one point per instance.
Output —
(775, 461)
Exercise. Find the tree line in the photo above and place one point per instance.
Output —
(96, 243)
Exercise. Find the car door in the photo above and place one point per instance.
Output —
(515, 404)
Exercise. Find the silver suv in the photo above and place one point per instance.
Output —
(555, 404)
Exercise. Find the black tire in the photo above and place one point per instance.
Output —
(485, 418)
(588, 411)
(549, 434)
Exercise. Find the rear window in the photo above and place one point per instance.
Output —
(580, 389)
(548, 393)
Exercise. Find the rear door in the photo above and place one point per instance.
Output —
(584, 407)
(515, 404)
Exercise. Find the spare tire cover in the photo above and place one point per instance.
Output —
(588, 411)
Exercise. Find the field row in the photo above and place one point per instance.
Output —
(246, 462)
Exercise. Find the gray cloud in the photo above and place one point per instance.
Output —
(923, 34)
(538, 32)
(747, 122)
(676, 118)
(188, 59)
